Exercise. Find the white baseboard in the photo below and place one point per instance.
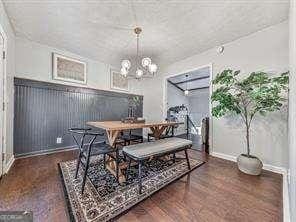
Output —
(8, 165)
(45, 152)
(223, 156)
(275, 169)
(51, 151)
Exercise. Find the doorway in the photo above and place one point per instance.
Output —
(188, 101)
(2, 80)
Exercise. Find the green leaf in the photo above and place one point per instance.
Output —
(256, 93)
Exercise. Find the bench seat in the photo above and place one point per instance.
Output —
(159, 147)
(142, 151)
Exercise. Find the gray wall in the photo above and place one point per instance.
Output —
(44, 111)
(255, 52)
(199, 105)
(34, 61)
(175, 97)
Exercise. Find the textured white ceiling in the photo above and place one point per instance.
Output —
(172, 30)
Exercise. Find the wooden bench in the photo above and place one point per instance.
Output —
(144, 151)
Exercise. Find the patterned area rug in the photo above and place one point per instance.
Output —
(104, 199)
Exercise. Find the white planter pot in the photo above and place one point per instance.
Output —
(249, 165)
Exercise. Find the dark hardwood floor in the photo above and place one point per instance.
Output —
(216, 191)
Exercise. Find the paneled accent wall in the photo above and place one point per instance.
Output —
(44, 111)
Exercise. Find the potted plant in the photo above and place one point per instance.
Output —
(258, 93)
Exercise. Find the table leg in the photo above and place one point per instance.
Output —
(112, 165)
(157, 131)
(112, 135)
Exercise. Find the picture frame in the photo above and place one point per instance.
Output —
(118, 82)
(69, 69)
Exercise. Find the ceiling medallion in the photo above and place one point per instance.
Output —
(142, 70)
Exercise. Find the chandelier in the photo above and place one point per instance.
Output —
(143, 69)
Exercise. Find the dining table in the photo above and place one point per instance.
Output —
(113, 130)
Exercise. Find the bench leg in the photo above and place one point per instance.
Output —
(174, 157)
(188, 163)
(128, 169)
(140, 177)
(124, 156)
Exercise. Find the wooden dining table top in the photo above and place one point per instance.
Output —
(118, 125)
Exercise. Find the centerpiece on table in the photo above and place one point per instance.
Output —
(134, 102)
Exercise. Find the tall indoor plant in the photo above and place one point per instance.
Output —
(258, 93)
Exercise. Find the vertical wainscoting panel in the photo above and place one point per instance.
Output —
(44, 111)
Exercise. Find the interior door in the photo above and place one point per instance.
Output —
(1, 102)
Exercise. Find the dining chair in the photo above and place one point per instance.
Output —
(130, 137)
(91, 148)
(126, 139)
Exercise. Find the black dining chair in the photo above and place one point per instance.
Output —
(130, 137)
(125, 139)
(91, 148)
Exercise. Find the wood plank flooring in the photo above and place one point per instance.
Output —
(216, 191)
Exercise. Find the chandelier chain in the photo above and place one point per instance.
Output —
(137, 51)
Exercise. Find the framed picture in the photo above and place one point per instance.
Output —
(68, 69)
(118, 81)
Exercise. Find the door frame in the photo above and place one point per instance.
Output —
(4, 104)
(165, 98)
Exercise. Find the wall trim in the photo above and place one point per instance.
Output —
(275, 169)
(223, 156)
(45, 152)
(165, 97)
(286, 199)
(8, 165)
(269, 167)
(4, 99)
(69, 88)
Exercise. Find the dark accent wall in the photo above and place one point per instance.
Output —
(44, 111)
